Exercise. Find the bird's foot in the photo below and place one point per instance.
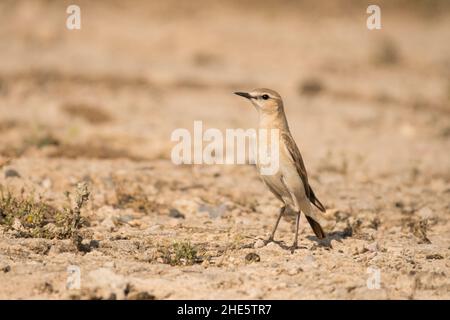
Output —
(293, 247)
(269, 240)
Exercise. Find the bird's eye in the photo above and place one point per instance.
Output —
(265, 96)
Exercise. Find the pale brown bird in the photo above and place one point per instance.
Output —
(290, 183)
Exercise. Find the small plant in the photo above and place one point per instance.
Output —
(41, 140)
(27, 216)
(179, 253)
(185, 253)
(81, 197)
(419, 229)
(37, 219)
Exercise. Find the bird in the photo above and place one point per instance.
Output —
(289, 183)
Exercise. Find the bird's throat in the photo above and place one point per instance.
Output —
(273, 120)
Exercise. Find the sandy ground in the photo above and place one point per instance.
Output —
(370, 111)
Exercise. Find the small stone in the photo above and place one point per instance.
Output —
(17, 225)
(309, 259)
(154, 229)
(98, 235)
(11, 173)
(135, 223)
(46, 183)
(373, 247)
(108, 224)
(294, 270)
(252, 257)
(272, 245)
(187, 206)
(94, 244)
(125, 218)
(205, 263)
(174, 213)
(435, 256)
(259, 244)
(5, 269)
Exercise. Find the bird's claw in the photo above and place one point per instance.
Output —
(293, 247)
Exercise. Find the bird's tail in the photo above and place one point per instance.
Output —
(316, 228)
(315, 201)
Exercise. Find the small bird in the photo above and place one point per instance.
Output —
(290, 183)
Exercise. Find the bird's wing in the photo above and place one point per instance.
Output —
(297, 159)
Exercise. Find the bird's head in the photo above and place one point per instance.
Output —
(265, 100)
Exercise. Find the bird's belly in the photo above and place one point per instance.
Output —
(278, 188)
(293, 182)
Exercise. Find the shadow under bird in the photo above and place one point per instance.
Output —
(290, 183)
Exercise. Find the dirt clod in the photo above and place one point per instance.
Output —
(252, 257)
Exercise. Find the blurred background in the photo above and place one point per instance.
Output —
(137, 70)
(370, 110)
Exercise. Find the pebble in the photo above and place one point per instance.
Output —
(47, 183)
(108, 224)
(294, 270)
(259, 244)
(187, 206)
(309, 259)
(373, 247)
(272, 245)
(154, 229)
(17, 225)
(205, 263)
(11, 173)
(174, 213)
(435, 256)
(252, 257)
(5, 269)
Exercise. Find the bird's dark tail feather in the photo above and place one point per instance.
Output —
(315, 201)
(316, 228)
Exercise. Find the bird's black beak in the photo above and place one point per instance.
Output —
(244, 94)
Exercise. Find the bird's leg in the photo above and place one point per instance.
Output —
(276, 225)
(297, 222)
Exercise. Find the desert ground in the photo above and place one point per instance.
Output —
(86, 177)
